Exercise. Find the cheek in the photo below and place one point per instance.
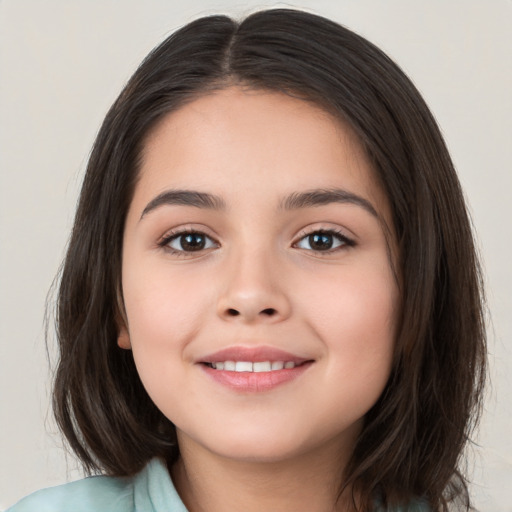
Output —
(355, 314)
(159, 302)
(163, 318)
(164, 314)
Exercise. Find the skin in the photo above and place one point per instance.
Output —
(259, 281)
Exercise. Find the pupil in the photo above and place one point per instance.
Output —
(320, 241)
(192, 242)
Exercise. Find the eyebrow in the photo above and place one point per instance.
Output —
(320, 197)
(295, 201)
(185, 198)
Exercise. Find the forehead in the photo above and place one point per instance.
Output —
(251, 116)
(249, 141)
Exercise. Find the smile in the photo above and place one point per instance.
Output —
(252, 367)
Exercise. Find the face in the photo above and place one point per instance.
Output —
(260, 298)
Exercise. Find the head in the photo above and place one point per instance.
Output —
(411, 438)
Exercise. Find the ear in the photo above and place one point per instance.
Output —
(123, 338)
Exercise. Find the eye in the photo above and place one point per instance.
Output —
(188, 241)
(324, 241)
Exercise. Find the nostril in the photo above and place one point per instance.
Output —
(268, 312)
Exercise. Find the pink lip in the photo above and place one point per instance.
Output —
(253, 382)
(252, 354)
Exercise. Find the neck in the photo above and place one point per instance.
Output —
(207, 482)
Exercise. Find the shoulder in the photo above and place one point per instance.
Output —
(87, 495)
(150, 490)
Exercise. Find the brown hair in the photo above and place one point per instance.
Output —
(412, 440)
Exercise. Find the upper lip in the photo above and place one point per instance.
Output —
(252, 354)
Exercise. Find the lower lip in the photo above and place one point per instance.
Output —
(254, 382)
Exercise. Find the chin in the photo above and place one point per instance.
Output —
(272, 445)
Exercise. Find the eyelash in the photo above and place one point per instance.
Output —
(174, 235)
(345, 241)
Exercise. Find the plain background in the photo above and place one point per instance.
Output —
(62, 63)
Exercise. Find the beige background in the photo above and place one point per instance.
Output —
(62, 63)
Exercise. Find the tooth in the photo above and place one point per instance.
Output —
(243, 366)
(247, 366)
(263, 366)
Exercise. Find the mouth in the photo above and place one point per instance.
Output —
(254, 369)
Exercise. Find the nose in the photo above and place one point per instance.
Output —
(253, 291)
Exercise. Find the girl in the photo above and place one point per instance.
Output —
(271, 298)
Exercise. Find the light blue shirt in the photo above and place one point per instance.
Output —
(151, 490)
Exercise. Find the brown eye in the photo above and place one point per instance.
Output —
(323, 241)
(190, 242)
(320, 241)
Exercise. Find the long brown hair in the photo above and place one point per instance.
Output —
(413, 438)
